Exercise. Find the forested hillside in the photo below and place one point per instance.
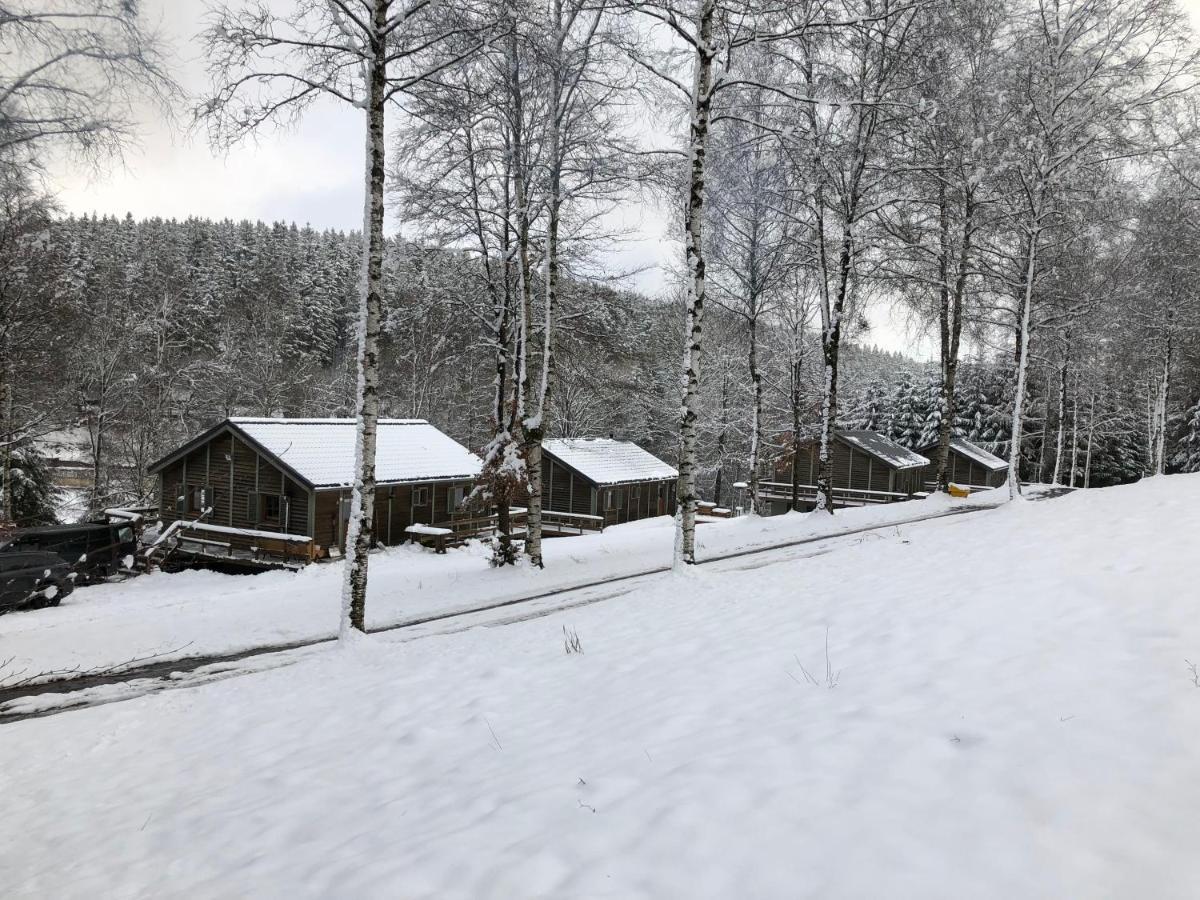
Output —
(146, 332)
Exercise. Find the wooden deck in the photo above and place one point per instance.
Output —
(842, 497)
(199, 543)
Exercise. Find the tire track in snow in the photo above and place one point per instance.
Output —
(85, 691)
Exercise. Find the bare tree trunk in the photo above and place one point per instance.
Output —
(1074, 433)
(501, 495)
(795, 392)
(1087, 463)
(1062, 417)
(756, 415)
(950, 321)
(831, 339)
(6, 435)
(685, 513)
(1023, 319)
(796, 370)
(722, 434)
(527, 414)
(1160, 407)
(360, 533)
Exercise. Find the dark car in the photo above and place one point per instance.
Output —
(32, 579)
(94, 550)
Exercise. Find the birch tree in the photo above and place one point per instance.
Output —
(269, 67)
(854, 85)
(72, 76)
(528, 154)
(1087, 75)
(753, 241)
(24, 215)
(944, 187)
(711, 35)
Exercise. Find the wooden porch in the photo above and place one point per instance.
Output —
(781, 491)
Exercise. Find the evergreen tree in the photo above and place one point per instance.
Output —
(1186, 441)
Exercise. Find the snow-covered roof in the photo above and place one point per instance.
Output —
(977, 454)
(609, 461)
(883, 449)
(321, 451)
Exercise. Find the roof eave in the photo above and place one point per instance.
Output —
(233, 428)
(437, 479)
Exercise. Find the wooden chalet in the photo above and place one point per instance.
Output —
(616, 481)
(293, 477)
(967, 465)
(867, 468)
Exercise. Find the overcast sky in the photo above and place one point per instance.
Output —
(311, 174)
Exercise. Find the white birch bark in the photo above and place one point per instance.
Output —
(685, 511)
(1023, 321)
(1062, 422)
(360, 532)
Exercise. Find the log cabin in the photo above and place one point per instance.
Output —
(968, 465)
(606, 478)
(867, 468)
(294, 476)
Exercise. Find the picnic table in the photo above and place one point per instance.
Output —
(428, 535)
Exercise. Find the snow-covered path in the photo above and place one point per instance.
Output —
(164, 617)
(1012, 718)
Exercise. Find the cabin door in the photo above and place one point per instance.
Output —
(662, 499)
(343, 519)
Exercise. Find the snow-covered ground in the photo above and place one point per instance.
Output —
(1012, 717)
(202, 613)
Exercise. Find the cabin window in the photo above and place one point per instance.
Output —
(199, 499)
(180, 499)
(608, 499)
(635, 493)
(420, 496)
(455, 497)
(264, 507)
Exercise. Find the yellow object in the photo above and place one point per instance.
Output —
(956, 491)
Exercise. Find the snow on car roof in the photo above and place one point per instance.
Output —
(978, 454)
(322, 450)
(609, 461)
(883, 449)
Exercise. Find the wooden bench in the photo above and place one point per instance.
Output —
(429, 535)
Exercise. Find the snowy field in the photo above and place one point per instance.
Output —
(200, 613)
(1012, 718)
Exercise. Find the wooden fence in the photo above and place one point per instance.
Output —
(782, 490)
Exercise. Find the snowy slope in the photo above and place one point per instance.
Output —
(1012, 718)
(204, 613)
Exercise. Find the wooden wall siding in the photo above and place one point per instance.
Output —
(559, 485)
(169, 482)
(218, 469)
(581, 496)
(852, 468)
(245, 480)
(394, 511)
(565, 490)
(632, 502)
(860, 470)
(270, 479)
(233, 471)
(963, 470)
(325, 528)
(297, 500)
